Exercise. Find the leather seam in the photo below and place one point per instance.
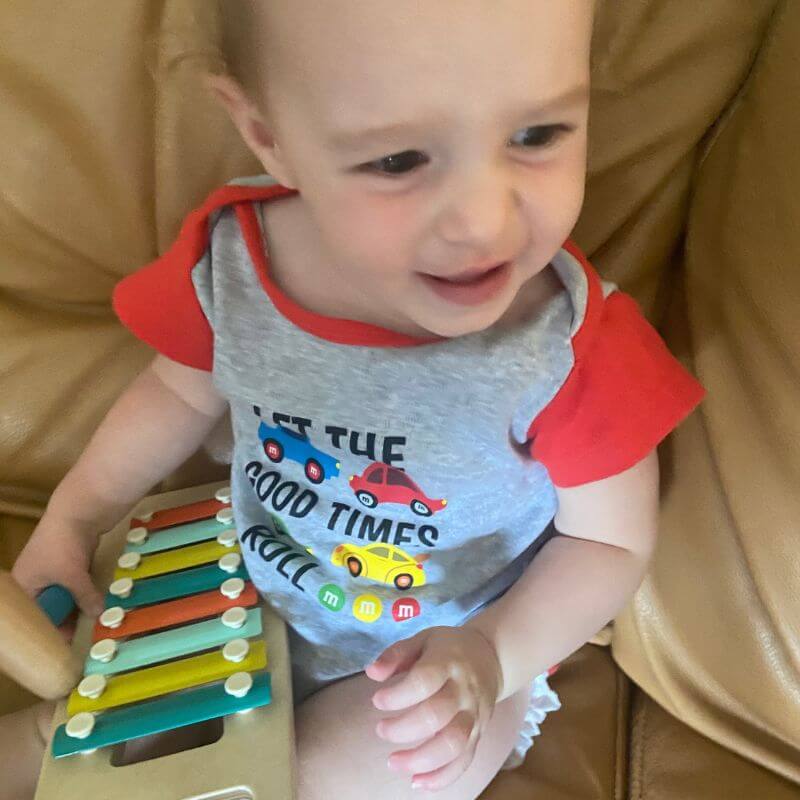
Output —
(14, 507)
(638, 737)
(622, 743)
(728, 113)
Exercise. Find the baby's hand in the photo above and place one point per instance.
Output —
(450, 691)
(59, 553)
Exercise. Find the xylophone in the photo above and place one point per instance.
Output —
(183, 640)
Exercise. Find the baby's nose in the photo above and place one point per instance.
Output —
(479, 213)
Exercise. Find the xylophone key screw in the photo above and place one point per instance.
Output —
(236, 650)
(81, 725)
(92, 686)
(223, 494)
(145, 516)
(121, 588)
(129, 560)
(225, 516)
(234, 617)
(112, 617)
(137, 535)
(227, 537)
(232, 588)
(104, 650)
(239, 684)
(230, 562)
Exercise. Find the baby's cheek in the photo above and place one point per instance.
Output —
(378, 230)
(556, 206)
(572, 186)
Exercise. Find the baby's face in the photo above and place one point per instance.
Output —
(439, 145)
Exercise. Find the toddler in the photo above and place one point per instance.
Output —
(444, 475)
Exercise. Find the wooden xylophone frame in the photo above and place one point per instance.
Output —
(252, 760)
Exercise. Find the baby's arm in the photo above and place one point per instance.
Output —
(580, 580)
(155, 425)
(158, 422)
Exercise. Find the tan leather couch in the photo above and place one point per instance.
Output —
(105, 142)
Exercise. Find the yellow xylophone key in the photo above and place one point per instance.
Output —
(132, 687)
(173, 560)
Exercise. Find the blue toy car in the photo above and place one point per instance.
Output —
(280, 443)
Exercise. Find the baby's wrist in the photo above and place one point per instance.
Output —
(491, 646)
(58, 522)
(83, 513)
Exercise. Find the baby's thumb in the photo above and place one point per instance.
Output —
(400, 657)
(86, 594)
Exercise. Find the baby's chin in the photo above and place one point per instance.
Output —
(450, 320)
(450, 323)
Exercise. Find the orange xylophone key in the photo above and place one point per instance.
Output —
(177, 516)
(175, 612)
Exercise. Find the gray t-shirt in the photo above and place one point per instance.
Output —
(380, 486)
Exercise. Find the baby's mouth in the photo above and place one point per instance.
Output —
(470, 288)
(469, 276)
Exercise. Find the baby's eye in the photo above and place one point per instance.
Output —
(397, 163)
(539, 136)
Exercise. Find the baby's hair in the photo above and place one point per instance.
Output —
(239, 43)
(222, 37)
(253, 45)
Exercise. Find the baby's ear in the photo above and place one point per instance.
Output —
(251, 124)
(227, 91)
(243, 112)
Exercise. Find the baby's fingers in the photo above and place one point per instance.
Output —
(424, 680)
(422, 721)
(447, 745)
(397, 658)
(442, 778)
(25, 571)
(85, 593)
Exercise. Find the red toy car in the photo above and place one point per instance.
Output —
(381, 483)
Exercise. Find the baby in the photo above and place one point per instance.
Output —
(444, 475)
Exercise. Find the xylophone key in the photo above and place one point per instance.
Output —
(174, 643)
(144, 684)
(180, 514)
(175, 612)
(169, 587)
(156, 716)
(172, 560)
(178, 536)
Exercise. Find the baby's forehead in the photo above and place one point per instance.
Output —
(388, 31)
(412, 51)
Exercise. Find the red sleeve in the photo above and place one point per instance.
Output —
(158, 305)
(625, 393)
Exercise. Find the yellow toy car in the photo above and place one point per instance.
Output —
(383, 563)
